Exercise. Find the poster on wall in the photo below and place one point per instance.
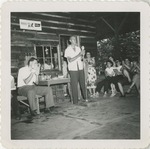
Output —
(30, 25)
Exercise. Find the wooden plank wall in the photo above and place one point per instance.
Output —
(54, 24)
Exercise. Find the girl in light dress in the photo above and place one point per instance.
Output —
(91, 74)
(65, 75)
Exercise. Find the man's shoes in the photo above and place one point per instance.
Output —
(34, 115)
(50, 110)
(47, 110)
(53, 110)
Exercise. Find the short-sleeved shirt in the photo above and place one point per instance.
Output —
(119, 69)
(24, 73)
(110, 71)
(76, 64)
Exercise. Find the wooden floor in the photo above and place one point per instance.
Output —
(102, 118)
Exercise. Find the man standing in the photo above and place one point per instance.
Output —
(27, 78)
(75, 65)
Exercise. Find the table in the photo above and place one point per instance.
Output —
(56, 81)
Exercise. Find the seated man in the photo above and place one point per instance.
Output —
(27, 79)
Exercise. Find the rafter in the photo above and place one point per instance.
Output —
(108, 24)
(123, 21)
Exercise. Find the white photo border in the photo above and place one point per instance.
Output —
(116, 6)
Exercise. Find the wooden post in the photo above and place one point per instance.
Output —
(43, 55)
(59, 57)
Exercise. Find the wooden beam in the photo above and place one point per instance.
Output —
(33, 32)
(60, 16)
(21, 45)
(59, 24)
(31, 16)
(90, 37)
(123, 21)
(58, 31)
(27, 36)
(59, 28)
(37, 39)
(108, 24)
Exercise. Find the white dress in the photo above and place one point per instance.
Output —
(91, 76)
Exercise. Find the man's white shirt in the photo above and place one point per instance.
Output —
(110, 71)
(24, 73)
(76, 64)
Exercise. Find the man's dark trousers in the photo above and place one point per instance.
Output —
(77, 77)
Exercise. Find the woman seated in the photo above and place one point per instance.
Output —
(120, 78)
(91, 73)
(112, 60)
(127, 68)
(136, 77)
(107, 82)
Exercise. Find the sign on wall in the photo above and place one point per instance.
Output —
(30, 25)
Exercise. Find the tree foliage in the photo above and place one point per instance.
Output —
(128, 46)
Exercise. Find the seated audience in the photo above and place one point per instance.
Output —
(27, 80)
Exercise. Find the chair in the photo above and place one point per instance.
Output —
(22, 100)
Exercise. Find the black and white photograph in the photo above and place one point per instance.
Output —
(76, 74)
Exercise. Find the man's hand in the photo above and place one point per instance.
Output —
(36, 70)
(33, 71)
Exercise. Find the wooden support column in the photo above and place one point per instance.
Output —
(118, 26)
(116, 51)
(116, 29)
